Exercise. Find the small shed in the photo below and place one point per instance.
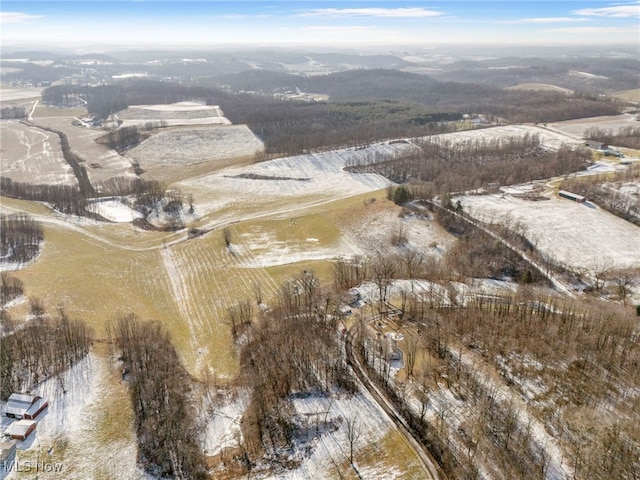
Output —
(21, 429)
(7, 455)
(596, 145)
(22, 405)
(572, 196)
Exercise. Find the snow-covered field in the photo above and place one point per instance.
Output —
(222, 428)
(70, 431)
(373, 230)
(100, 161)
(302, 176)
(261, 249)
(114, 211)
(33, 155)
(578, 235)
(182, 146)
(332, 447)
(10, 94)
(612, 122)
(548, 138)
(182, 113)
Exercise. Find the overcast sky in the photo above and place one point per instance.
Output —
(208, 23)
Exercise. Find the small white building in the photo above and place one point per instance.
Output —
(21, 429)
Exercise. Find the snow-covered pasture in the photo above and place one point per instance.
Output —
(325, 448)
(580, 236)
(114, 211)
(548, 138)
(181, 146)
(303, 176)
(32, 155)
(82, 429)
(11, 94)
(373, 229)
(100, 162)
(578, 127)
(182, 113)
(260, 248)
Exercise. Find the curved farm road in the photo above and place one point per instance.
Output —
(213, 225)
(381, 399)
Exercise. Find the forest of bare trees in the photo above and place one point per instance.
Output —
(411, 105)
(20, 238)
(12, 113)
(628, 136)
(42, 348)
(160, 389)
(577, 356)
(292, 349)
(10, 288)
(63, 198)
(601, 189)
(71, 201)
(446, 167)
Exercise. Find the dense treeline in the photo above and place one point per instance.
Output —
(514, 105)
(122, 138)
(39, 73)
(445, 166)
(146, 192)
(602, 191)
(587, 354)
(285, 126)
(10, 288)
(104, 100)
(63, 198)
(160, 390)
(560, 356)
(293, 349)
(628, 136)
(20, 238)
(12, 113)
(71, 201)
(43, 348)
(476, 254)
(295, 127)
(365, 106)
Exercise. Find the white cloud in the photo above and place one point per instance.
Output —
(371, 12)
(549, 20)
(343, 34)
(631, 10)
(17, 17)
(334, 29)
(588, 30)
